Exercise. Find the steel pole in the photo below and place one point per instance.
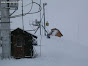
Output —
(0, 21)
(5, 31)
(44, 18)
(40, 18)
(22, 17)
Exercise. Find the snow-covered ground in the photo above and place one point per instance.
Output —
(54, 52)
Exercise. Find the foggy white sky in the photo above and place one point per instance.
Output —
(69, 16)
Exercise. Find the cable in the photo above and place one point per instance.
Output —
(13, 12)
(31, 7)
(24, 6)
(29, 11)
(42, 17)
(28, 4)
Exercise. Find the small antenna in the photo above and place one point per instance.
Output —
(22, 17)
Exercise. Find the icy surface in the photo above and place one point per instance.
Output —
(54, 52)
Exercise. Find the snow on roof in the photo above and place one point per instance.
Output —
(24, 32)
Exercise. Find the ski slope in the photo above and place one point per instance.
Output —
(54, 52)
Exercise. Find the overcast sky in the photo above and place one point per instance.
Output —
(69, 16)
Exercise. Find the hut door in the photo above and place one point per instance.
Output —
(19, 47)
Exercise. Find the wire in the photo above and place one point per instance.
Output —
(31, 6)
(29, 11)
(42, 17)
(13, 12)
(28, 4)
(25, 6)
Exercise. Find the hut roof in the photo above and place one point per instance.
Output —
(57, 30)
(20, 31)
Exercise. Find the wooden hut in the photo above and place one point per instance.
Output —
(55, 32)
(21, 43)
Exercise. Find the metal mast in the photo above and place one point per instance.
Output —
(40, 18)
(44, 4)
(5, 30)
(0, 21)
(22, 17)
